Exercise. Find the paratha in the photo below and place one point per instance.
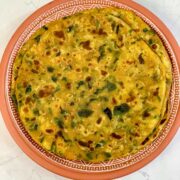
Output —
(93, 86)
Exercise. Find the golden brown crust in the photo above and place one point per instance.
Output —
(93, 86)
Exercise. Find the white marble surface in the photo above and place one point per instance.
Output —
(15, 165)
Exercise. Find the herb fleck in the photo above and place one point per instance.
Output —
(73, 124)
(70, 28)
(36, 112)
(53, 147)
(37, 38)
(28, 89)
(121, 109)
(107, 154)
(110, 86)
(59, 122)
(85, 113)
(89, 155)
(108, 112)
(58, 53)
(101, 52)
(13, 96)
(45, 28)
(33, 127)
(145, 30)
(50, 69)
(100, 144)
(79, 84)
(150, 42)
(54, 78)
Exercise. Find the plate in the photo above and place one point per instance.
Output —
(80, 169)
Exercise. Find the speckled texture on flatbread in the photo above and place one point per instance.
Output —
(93, 86)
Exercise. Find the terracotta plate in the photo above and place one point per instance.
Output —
(80, 169)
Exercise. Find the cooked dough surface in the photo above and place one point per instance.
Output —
(93, 86)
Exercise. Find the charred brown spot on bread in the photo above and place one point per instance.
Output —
(68, 85)
(36, 62)
(28, 99)
(72, 103)
(26, 110)
(145, 141)
(25, 84)
(116, 136)
(154, 46)
(130, 99)
(156, 92)
(86, 45)
(84, 144)
(61, 42)
(33, 119)
(94, 31)
(91, 149)
(78, 69)
(89, 78)
(46, 91)
(34, 71)
(59, 34)
(120, 38)
(55, 49)
(146, 114)
(99, 32)
(104, 73)
(136, 134)
(50, 131)
(48, 53)
(162, 121)
(41, 93)
(130, 62)
(122, 45)
(137, 124)
(99, 120)
(90, 142)
(141, 59)
(59, 134)
(102, 32)
(136, 30)
(114, 102)
(121, 84)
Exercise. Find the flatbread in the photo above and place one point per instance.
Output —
(93, 86)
